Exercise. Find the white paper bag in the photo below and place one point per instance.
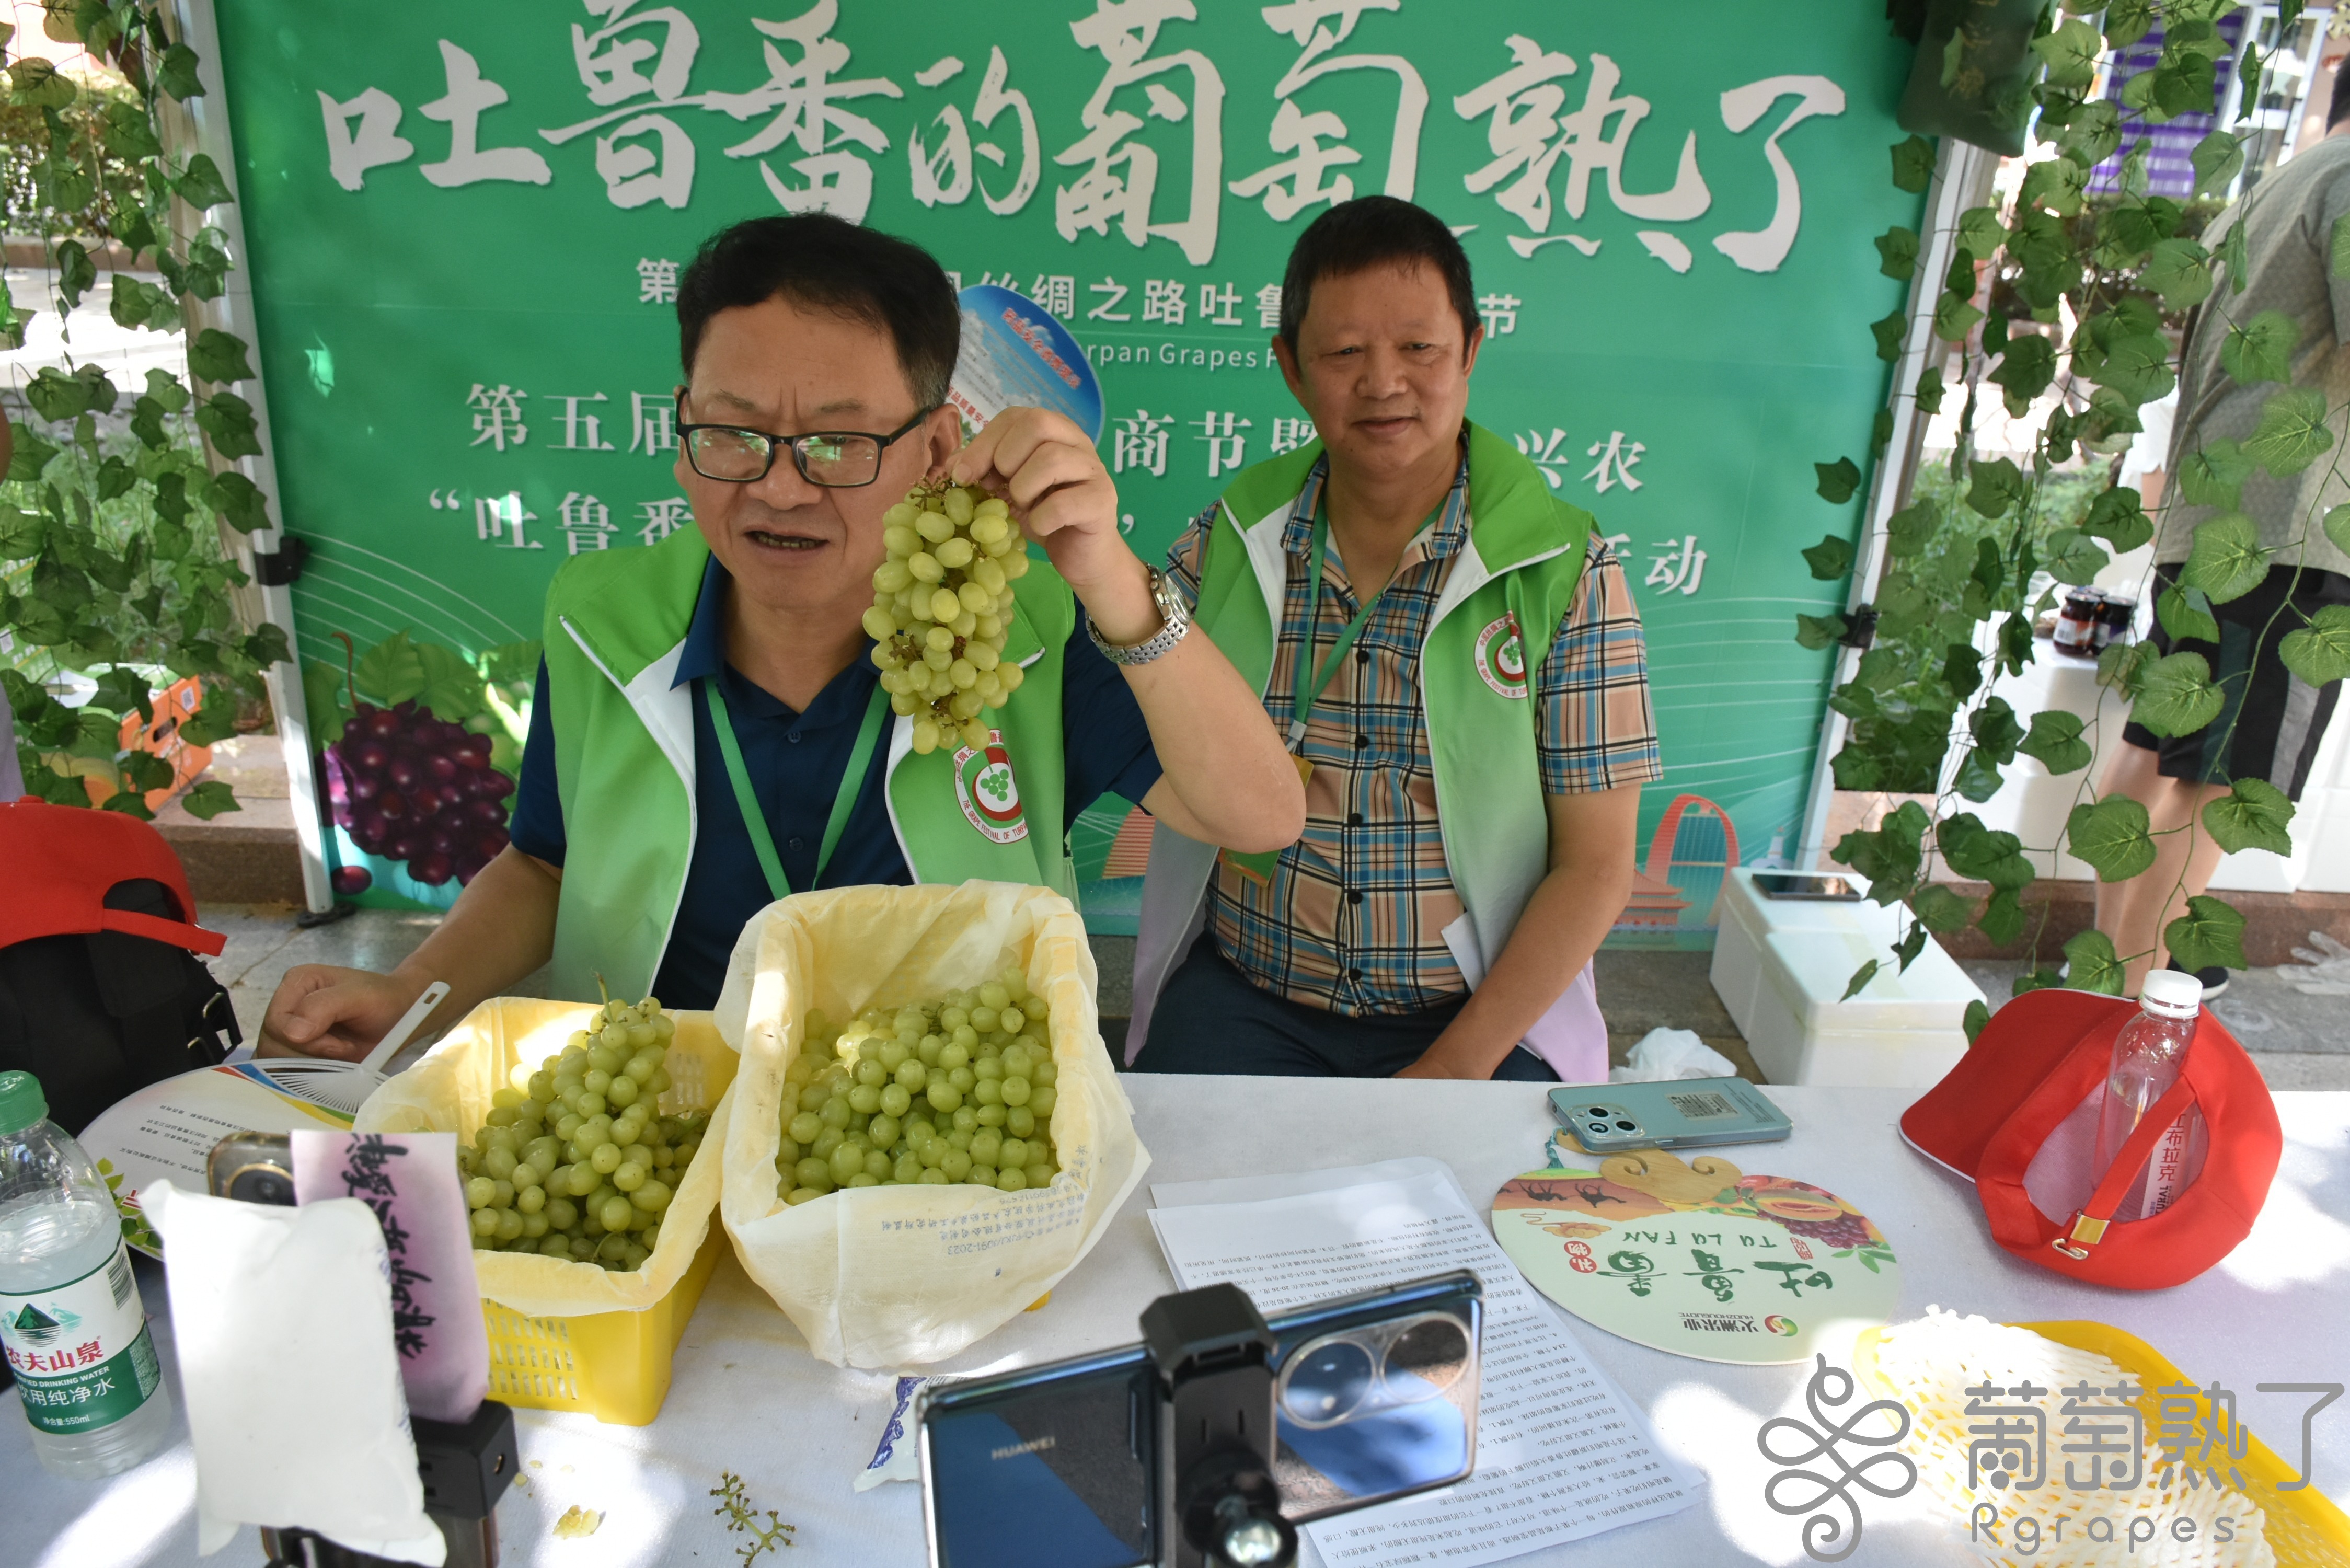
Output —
(283, 1320)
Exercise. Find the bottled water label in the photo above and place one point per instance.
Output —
(81, 1351)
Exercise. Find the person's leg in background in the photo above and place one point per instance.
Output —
(2133, 914)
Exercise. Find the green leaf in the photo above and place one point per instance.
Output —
(2226, 560)
(1908, 948)
(1978, 778)
(1829, 559)
(1888, 330)
(2114, 836)
(55, 395)
(113, 479)
(2071, 53)
(2238, 269)
(123, 691)
(146, 770)
(1977, 1019)
(177, 74)
(2185, 613)
(2137, 368)
(1939, 908)
(2175, 694)
(390, 673)
(2091, 964)
(2293, 432)
(1912, 529)
(1986, 855)
(2123, 665)
(2056, 740)
(2118, 517)
(2320, 651)
(22, 535)
(1880, 431)
(227, 418)
(2213, 475)
(1998, 486)
(2001, 920)
(1913, 163)
(215, 356)
(166, 389)
(2260, 350)
(34, 83)
(171, 497)
(1995, 730)
(1954, 317)
(1980, 234)
(147, 424)
(2073, 556)
(2253, 815)
(1962, 669)
(1818, 632)
(1860, 979)
(239, 501)
(2336, 524)
(1897, 250)
(2031, 980)
(2180, 271)
(2093, 134)
(1838, 480)
(1890, 856)
(2210, 935)
(1928, 392)
(452, 687)
(76, 273)
(2025, 370)
(2218, 157)
(200, 184)
(2056, 185)
(2015, 643)
(208, 799)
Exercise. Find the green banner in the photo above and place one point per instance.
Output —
(466, 225)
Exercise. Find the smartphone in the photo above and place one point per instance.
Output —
(1806, 884)
(1680, 1113)
(254, 1168)
(1058, 1466)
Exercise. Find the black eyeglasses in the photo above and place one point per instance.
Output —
(841, 460)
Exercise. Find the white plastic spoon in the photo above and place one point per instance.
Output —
(345, 1085)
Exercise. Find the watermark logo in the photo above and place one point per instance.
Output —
(1796, 1489)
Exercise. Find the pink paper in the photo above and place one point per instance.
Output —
(410, 1182)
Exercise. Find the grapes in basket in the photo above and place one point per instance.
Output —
(956, 1090)
(941, 602)
(591, 1185)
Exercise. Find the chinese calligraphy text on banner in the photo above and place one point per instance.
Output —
(467, 228)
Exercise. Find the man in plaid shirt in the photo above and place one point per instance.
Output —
(1464, 685)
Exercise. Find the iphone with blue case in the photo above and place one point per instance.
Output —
(1681, 1113)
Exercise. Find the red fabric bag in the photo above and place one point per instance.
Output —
(2018, 1117)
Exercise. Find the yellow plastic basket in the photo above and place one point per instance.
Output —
(615, 1366)
(612, 1362)
(2304, 1528)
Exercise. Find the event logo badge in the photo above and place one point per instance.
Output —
(988, 793)
(1502, 657)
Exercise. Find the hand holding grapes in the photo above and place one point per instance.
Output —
(1045, 467)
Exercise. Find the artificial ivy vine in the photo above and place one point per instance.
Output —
(111, 554)
(1929, 685)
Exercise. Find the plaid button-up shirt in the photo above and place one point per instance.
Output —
(1352, 917)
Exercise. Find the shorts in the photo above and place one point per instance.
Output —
(2273, 720)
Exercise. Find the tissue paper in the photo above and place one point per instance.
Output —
(283, 1320)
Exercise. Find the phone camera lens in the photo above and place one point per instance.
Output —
(1326, 1383)
(1600, 1126)
(261, 1184)
(1627, 1127)
(1433, 1353)
(1599, 1111)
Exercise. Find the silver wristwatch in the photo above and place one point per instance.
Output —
(1175, 621)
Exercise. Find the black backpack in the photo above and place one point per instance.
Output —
(100, 993)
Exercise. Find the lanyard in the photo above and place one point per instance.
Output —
(844, 799)
(1309, 692)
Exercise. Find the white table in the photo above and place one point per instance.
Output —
(748, 1397)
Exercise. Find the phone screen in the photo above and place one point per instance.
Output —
(1804, 885)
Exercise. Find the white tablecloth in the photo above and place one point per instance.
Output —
(748, 1399)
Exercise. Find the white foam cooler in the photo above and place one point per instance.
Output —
(1781, 966)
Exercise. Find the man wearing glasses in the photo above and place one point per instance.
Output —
(709, 732)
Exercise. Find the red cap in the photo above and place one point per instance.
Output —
(62, 861)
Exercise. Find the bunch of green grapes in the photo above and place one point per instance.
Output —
(941, 603)
(592, 1184)
(959, 1089)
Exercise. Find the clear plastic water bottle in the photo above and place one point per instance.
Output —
(71, 1318)
(2148, 1056)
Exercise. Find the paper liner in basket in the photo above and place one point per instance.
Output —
(449, 1090)
(885, 1276)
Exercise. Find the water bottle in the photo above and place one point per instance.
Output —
(2148, 1056)
(71, 1318)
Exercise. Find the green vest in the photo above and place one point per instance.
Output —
(1518, 572)
(624, 762)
